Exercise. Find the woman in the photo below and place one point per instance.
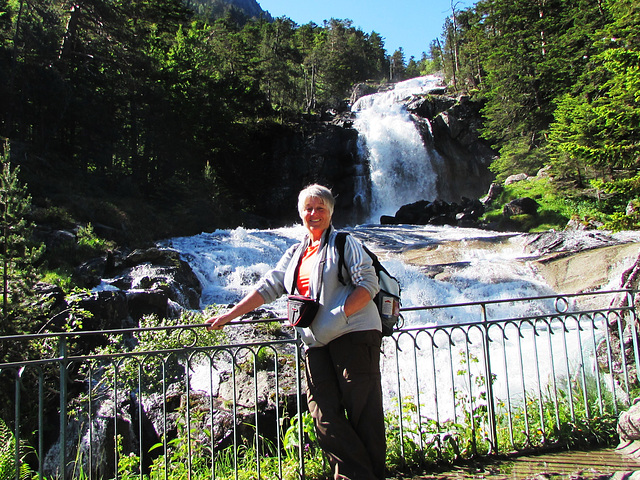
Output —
(342, 344)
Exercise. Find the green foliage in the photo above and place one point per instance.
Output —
(8, 456)
(156, 367)
(18, 253)
(189, 455)
(89, 244)
(558, 204)
(571, 417)
(559, 82)
(168, 93)
(315, 465)
(623, 197)
(263, 359)
(179, 96)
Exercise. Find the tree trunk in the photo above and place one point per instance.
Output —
(70, 31)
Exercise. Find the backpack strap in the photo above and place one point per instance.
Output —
(341, 238)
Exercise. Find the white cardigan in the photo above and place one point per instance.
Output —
(331, 321)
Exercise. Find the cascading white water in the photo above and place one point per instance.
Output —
(230, 262)
(487, 266)
(402, 170)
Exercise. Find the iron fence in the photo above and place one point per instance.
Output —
(166, 401)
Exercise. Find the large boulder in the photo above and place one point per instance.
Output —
(147, 273)
(521, 206)
(125, 288)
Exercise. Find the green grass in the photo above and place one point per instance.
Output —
(558, 202)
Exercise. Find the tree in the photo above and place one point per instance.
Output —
(18, 254)
(413, 68)
(529, 55)
(596, 125)
(435, 56)
(396, 66)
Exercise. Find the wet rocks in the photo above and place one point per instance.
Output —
(438, 212)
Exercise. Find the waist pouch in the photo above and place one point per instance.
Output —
(301, 310)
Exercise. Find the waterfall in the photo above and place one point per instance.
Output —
(401, 168)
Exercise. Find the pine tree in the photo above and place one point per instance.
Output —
(18, 254)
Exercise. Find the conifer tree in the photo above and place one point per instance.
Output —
(18, 254)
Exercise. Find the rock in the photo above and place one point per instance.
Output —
(571, 241)
(629, 430)
(148, 302)
(160, 271)
(56, 240)
(109, 311)
(494, 192)
(430, 106)
(519, 177)
(52, 294)
(438, 212)
(101, 430)
(520, 206)
(453, 130)
(544, 172)
(90, 273)
(632, 208)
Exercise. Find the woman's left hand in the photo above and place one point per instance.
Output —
(356, 301)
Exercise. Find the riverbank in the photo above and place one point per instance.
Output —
(568, 262)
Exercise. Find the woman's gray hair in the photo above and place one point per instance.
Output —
(318, 191)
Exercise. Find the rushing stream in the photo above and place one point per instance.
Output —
(488, 265)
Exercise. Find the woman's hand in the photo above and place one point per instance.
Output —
(356, 301)
(252, 301)
(218, 322)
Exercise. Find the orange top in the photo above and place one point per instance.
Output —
(306, 266)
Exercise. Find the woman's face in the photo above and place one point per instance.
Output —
(315, 217)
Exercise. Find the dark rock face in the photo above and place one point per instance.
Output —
(151, 273)
(325, 150)
(150, 281)
(317, 152)
(438, 212)
(454, 134)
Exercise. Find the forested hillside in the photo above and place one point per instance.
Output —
(561, 82)
(111, 106)
(116, 100)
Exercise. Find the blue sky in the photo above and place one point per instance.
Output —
(410, 24)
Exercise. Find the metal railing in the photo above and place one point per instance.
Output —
(459, 380)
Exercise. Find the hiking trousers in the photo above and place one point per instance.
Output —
(344, 395)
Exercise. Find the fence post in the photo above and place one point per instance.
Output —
(62, 350)
(299, 360)
(491, 413)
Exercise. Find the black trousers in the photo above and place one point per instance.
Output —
(344, 395)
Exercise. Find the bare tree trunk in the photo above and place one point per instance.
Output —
(543, 41)
(454, 43)
(70, 31)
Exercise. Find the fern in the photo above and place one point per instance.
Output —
(8, 456)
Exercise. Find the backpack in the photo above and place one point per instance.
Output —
(388, 298)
